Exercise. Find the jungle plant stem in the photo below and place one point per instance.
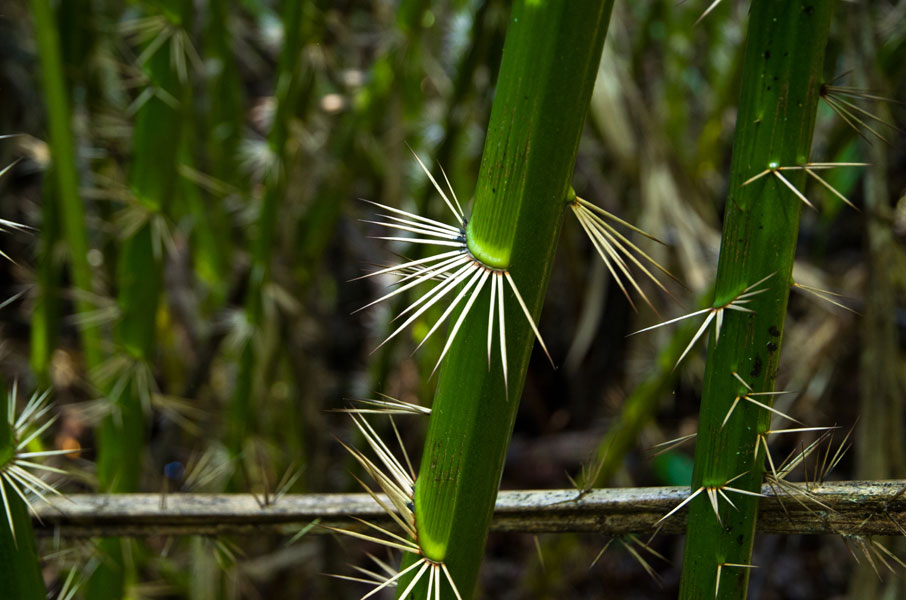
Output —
(64, 167)
(550, 59)
(20, 571)
(152, 183)
(288, 87)
(781, 77)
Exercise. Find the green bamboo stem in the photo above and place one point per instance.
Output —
(19, 566)
(75, 41)
(45, 320)
(223, 128)
(225, 105)
(550, 58)
(286, 94)
(385, 103)
(152, 182)
(20, 569)
(64, 168)
(209, 251)
(74, 232)
(139, 270)
(879, 436)
(781, 76)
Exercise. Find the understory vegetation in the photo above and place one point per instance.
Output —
(438, 250)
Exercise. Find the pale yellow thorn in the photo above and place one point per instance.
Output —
(742, 381)
(528, 316)
(457, 213)
(500, 318)
(707, 12)
(482, 277)
(425, 566)
(756, 177)
(793, 189)
(720, 568)
(687, 500)
(392, 580)
(491, 307)
(450, 580)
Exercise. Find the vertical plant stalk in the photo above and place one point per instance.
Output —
(20, 570)
(139, 269)
(45, 320)
(550, 59)
(880, 452)
(223, 129)
(62, 148)
(781, 76)
(152, 183)
(286, 94)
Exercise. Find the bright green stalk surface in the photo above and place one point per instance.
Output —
(20, 571)
(62, 149)
(529, 111)
(781, 74)
(550, 58)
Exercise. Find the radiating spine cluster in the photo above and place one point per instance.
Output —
(397, 482)
(454, 270)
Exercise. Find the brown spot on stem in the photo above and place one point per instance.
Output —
(756, 368)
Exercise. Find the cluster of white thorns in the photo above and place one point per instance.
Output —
(458, 269)
(397, 482)
(17, 475)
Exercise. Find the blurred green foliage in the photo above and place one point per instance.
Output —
(254, 239)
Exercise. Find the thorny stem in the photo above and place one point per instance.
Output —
(783, 64)
(524, 177)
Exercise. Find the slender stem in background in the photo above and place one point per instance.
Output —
(388, 101)
(19, 566)
(781, 76)
(45, 322)
(152, 183)
(64, 168)
(286, 94)
(879, 434)
(550, 59)
(223, 129)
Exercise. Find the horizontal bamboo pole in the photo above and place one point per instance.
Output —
(850, 507)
